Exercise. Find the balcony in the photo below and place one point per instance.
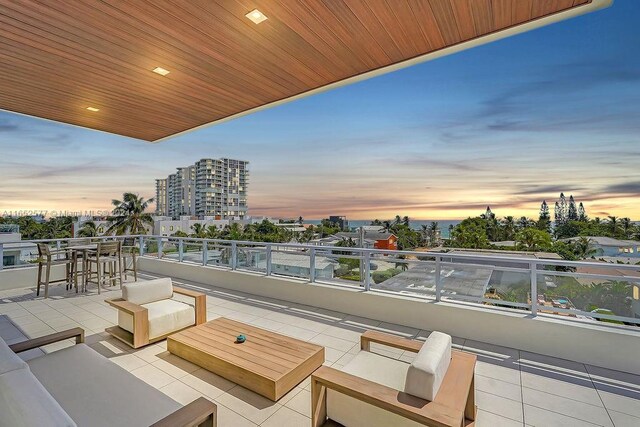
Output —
(546, 356)
(534, 367)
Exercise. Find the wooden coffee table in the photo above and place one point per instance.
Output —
(268, 363)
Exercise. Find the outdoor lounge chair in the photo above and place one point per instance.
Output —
(147, 312)
(78, 386)
(437, 389)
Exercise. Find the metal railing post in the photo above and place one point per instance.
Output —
(366, 256)
(159, 241)
(234, 255)
(180, 250)
(141, 244)
(534, 288)
(1, 256)
(312, 265)
(58, 246)
(438, 279)
(268, 260)
(205, 252)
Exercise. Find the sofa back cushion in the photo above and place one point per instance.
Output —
(25, 402)
(9, 361)
(148, 291)
(428, 369)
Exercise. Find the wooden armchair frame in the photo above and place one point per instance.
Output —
(201, 412)
(140, 335)
(454, 405)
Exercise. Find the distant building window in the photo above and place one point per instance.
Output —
(171, 228)
(100, 229)
(164, 228)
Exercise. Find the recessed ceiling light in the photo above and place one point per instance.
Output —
(94, 109)
(256, 16)
(161, 71)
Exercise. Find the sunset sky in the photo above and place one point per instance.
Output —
(506, 124)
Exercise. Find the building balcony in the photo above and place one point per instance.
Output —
(537, 364)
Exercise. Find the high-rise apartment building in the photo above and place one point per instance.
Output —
(212, 188)
(162, 202)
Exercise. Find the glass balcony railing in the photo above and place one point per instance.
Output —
(586, 291)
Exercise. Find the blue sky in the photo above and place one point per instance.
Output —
(506, 124)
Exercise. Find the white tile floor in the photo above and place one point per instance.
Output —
(513, 388)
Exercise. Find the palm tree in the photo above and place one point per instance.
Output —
(232, 232)
(307, 235)
(533, 239)
(386, 226)
(199, 231)
(509, 228)
(434, 227)
(59, 227)
(613, 223)
(583, 249)
(397, 220)
(129, 216)
(424, 231)
(524, 222)
(212, 232)
(627, 225)
(402, 265)
(405, 220)
(430, 233)
(88, 229)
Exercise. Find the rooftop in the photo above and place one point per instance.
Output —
(375, 235)
(607, 241)
(513, 387)
(510, 254)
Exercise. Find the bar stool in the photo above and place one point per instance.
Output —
(46, 261)
(108, 260)
(129, 249)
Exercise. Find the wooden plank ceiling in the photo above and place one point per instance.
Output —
(59, 57)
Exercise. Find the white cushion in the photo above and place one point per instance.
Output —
(9, 361)
(165, 317)
(148, 291)
(25, 402)
(377, 368)
(96, 392)
(428, 369)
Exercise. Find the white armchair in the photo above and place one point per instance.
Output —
(372, 390)
(147, 312)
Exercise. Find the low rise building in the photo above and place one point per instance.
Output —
(292, 264)
(340, 221)
(610, 247)
(14, 251)
(166, 226)
(381, 240)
